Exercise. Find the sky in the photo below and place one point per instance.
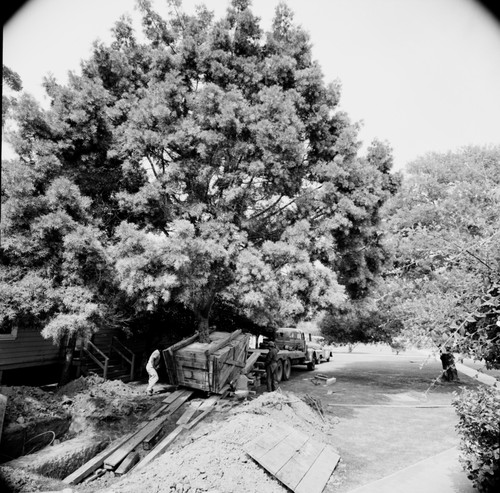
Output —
(423, 75)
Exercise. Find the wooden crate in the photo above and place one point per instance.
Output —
(207, 366)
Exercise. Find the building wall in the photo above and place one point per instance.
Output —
(24, 348)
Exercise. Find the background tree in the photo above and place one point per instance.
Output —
(444, 227)
(53, 270)
(10, 81)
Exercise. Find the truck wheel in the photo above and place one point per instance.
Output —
(311, 365)
(279, 371)
(287, 369)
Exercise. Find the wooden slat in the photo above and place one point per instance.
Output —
(3, 407)
(196, 420)
(153, 436)
(170, 367)
(160, 447)
(316, 478)
(178, 402)
(295, 469)
(250, 362)
(187, 361)
(183, 343)
(280, 454)
(188, 413)
(223, 342)
(257, 448)
(173, 396)
(128, 463)
(234, 362)
(95, 463)
(114, 459)
(211, 401)
(158, 411)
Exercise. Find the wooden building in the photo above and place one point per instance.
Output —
(23, 350)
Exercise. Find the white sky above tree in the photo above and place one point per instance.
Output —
(422, 74)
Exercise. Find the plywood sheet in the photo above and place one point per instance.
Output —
(316, 478)
(300, 462)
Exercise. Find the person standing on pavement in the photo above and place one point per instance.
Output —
(450, 373)
(152, 367)
(271, 364)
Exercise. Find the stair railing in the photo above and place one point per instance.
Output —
(96, 355)
(124, 352)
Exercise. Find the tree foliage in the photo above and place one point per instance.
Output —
(206, 164)
(444, 227)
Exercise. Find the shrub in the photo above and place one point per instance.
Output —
(479, 429)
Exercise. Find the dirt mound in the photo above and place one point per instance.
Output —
(27, 404)
(86, 399)
(96, 403)
(212, 458)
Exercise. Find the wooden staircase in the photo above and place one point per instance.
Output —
(117, 364)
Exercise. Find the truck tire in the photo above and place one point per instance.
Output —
(311, 365)
(279, 371)
(287, 369)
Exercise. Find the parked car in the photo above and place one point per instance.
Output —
(322, 351)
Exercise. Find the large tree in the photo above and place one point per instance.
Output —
(444, 231)
(220, 166)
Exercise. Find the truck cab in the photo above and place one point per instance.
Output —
(293, 349)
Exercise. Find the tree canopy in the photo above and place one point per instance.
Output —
(206, 162)
(444, 234)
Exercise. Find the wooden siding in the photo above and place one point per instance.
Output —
(29, 348)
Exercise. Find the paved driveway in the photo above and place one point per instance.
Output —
(391, 413)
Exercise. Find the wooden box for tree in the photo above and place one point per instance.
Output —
(207, 366)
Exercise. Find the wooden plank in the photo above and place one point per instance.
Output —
(318, 475)
(3, 406)
(250, 362)
(296, 468)
(153, 436)
(159, 411)
(95, 463)
(183, 343)
(161, 447)
(189, 413)
(282, 452)
(128, 463)
(173, 396)
(211, 401)
(178, 402)
(196, 420)
(186, 361)
(170, 367)
(118, 455)
(260, 446)
(222, 342)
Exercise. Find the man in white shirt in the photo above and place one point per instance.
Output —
(151, 368)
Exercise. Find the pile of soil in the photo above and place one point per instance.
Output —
(87, 400)
(101, 405)
(35, 417)
(212, 458)
(28, 404)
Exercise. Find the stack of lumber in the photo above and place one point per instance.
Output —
(207, 366)
(185, 422)
(126, 453)
(320, 379)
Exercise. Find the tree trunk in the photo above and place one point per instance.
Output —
(203, 329)
(69, 350)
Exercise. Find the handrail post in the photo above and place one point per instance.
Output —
(105, 376)
(132, 367)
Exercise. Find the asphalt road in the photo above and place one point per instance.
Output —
(391, 413)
